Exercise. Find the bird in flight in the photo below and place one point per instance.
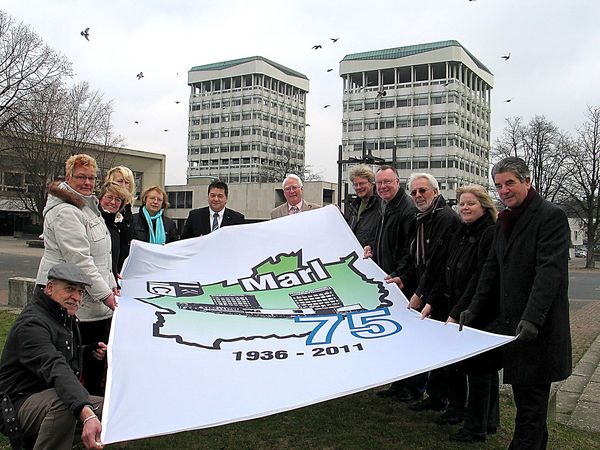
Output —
(307, 125)
(166, 129)
(177, 102)
(86, 33)
(317, 47)
(381, 93)
(326, 106)
(334, 40)
(136, 122)
(506, 57)
(329, 70)
(508, 100)
(140, 75)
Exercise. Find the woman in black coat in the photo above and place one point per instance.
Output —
(112, 199)
(123, 176)
(150, 224)
(466, 257)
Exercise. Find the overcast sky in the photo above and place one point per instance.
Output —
(553, 70)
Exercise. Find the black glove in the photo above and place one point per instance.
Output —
(466, 318)
(526, 331)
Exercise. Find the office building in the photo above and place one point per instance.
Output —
(246, 119)
(421, 108)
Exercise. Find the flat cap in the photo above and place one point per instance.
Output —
(70, 273)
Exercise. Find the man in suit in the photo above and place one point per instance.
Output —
(293, 191)
(202, 221)
(528, 266)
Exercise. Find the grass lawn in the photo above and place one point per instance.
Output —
(359, 421)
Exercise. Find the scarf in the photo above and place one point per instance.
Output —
(508, 218)
(421, 257)
(158, 236)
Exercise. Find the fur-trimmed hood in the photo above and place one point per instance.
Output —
(60, 192)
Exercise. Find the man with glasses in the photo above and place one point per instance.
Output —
(75, 232)
(362, 213)
(293, 192)
(436, 224)
(390, 250)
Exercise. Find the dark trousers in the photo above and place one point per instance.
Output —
(47, 423)
(483, 408)
(447, 384)
(94, 371)
(531, 431)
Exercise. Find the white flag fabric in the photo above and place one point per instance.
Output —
(256, 319)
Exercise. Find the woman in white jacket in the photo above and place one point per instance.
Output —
(75, 232)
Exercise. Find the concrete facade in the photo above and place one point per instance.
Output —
(148, 169)
(247, 117)
(421, 108)
(254, 200)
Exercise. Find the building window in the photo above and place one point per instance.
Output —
(402, 102)
(180, 199)
(420, 143)
(420, 122)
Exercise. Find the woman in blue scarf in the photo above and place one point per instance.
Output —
(151, 224)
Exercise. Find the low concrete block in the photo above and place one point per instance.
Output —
(20, 290)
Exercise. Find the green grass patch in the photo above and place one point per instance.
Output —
(359, 421)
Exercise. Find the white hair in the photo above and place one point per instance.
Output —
(291, 176)
(430, 179)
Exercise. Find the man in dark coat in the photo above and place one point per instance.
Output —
(528, 262)
(391, 249)
(363, 212)
(202, 221)
(436, 224)
(42, 398)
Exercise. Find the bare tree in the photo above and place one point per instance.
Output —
(27, 67)
(283, 165)
(58, 123)
(584, 180)
(542, 145)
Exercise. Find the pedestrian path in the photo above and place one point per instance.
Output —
(578, 397)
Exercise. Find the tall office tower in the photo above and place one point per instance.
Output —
(246, 120)
(421, 108)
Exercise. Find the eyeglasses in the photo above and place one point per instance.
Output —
(293, 187)
(420, 191)
(112, 198)
(84, 178)
(360, 184)
(386, 182)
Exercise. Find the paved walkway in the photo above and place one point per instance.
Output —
(578, 397)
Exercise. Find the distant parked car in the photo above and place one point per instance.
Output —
(580, 253)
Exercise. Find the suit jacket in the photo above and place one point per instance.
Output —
(199, 221)
(528, 273)
(282, 210)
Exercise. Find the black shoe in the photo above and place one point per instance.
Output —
(429, 404)
(465, 436)
(406, 395)
(452, 416)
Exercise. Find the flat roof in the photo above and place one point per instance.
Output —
(401, 52)
(235, 62)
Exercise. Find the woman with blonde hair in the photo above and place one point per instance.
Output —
(150, 224)
(466, 257)
(123, 176)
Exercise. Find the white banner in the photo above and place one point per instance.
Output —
(257, 319)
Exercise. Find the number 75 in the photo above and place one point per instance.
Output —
(370, 324)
